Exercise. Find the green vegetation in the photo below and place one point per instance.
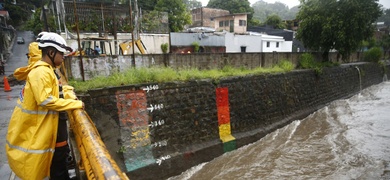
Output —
(151, 22)
(234, 6)
(164, 48)
(36, 25)
(192, 4)
(307, 61)
(373, 55)
(275, 21)
(263, 9)
(160, 74)
(323, 25)
(196, 46)
(385, 44)
(147, 5)
(17, 14)
(178, 15)
(286, 65)
(384, 66)
(385, 17)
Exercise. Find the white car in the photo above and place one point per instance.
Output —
(20, 40)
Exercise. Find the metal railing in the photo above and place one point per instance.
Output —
(95, 159)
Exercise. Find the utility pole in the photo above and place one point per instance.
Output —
(132, 35)
(57, 14)
(104, 30)
(115, 29)
(78, 39)
(44, 16)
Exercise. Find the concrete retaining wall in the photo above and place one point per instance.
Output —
(155, 131)
(107, 65)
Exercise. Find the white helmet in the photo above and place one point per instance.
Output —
(40, 35)
(50, 39)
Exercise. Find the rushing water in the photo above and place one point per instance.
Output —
(347, 139)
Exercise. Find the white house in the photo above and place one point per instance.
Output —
(256, 43)
(234, 43)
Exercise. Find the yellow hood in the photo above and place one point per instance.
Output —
(22, 72)
(34, 53)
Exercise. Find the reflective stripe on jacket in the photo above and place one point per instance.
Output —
(32, 130)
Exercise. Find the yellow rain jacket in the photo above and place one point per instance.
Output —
(34, 53)
(32, 130)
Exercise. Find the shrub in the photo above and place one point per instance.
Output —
(164, 48)
(383, 65)
(286, 65)
(196, 46)
(307, 61)
(373, 55)
(318, 70)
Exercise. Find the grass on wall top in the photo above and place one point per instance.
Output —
(160, 75)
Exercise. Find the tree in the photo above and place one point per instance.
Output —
(234, 6)
(385, 43)
(154, 22)
(147, 5)
(35, 23)
(385, 17)
(385, 40)
(178, 15)
(275, 21)
(263, 9)
(18, 14)
(192, 4)
(104, 1)
(336, 24)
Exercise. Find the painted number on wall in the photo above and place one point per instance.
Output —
(156, 123)
(150, 87)
(160, 144)
(155, 107)
(159, 160)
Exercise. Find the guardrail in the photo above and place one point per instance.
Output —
(95, 159)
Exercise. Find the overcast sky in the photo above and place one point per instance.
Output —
(292, 3)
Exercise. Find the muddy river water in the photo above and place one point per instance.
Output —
(347, 139)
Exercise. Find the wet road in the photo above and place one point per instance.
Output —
(17, 59)
(348, 139)
(18, 52)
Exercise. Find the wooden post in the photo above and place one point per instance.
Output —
(132, 34)
(78, 40)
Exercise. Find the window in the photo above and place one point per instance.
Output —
(220, 23)
(277, 44)
(242, 23)
(268, 44)
(226, 23)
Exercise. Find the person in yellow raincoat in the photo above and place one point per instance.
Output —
(34, 53)
(32, 131)
(62, 151)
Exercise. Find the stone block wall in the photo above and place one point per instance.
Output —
(158, 130)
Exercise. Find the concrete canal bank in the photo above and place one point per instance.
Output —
(158, 130)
